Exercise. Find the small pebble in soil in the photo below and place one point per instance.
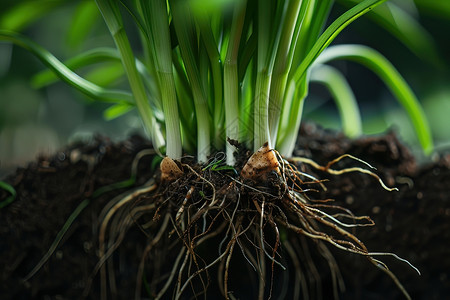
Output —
(376, 209)
(349, 200)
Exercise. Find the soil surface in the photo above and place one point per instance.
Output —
(413, 223)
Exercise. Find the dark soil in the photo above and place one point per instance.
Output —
(413, 223)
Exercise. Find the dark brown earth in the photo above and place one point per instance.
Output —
(413, 222)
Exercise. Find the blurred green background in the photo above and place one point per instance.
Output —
(42, 120)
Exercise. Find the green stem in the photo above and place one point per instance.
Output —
(135, 81)
(216, 73)
(263, 77)
(282, 65)
(307, 17)
(292, 112)
(231, 84)
(332, 31)
(261, 109)
(343, 96)
(111, 15)
(392, 78)
(182, 20)
(299, 77)
(163, 53)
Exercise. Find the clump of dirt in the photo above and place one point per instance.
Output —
(413, 223)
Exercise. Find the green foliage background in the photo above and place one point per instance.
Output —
(42, 120)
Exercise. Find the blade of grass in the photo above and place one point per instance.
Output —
(392, 78)
(184, 28)
(105, 74)
(10, 189)
(112, 17)
(282, 64)
(211, 46)
(117, 110)
(318, 12)
(287, 142)
(246, 106)
(84, 18)
(261, 133)
(84, 86)
(25, 13)
(437, 7)
(296, 51)
(98, 56)
(312, 17)
(184, 92)
(205, 76)
(405, 28)
(230, 81)
(343, 96)
(332, 31)
(140, 16)
(73, 216)
(90, 57)
(292, 113)
(157, 12)
(309, 16)
(245, 57)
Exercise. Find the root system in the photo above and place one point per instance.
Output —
(210, 228)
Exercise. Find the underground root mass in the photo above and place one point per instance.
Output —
(254, 231)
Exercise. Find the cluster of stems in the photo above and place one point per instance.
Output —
(235, 71)
(211, 72)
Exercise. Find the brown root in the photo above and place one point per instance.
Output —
(328, 169)
(206, 218)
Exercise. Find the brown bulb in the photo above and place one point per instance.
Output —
(260, 164)
(169, 170)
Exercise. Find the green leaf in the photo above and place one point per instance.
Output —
(102, 75)
(406, 29)
(113, 19)
(204, 24)
(288, 33)
(202, 7)
(10, 189)
(186, 34)
(25, 13)
(155, 163)
(84, 18)
(81, 84)
(313, 16)
(230, 79)
(105, 74)
(332, 31)
(88, 58)
(342, 95)
(117, 110)
(392, 78)
(159, 27)
(291, 116)
(297, 88)
(440, 8)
